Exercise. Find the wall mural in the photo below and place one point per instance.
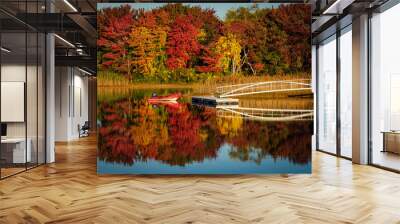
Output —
(204, 88)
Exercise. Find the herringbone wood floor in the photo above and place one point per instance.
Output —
(70, 191)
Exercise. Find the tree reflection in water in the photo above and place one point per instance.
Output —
(132, 130)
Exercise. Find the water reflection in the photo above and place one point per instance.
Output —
(261, 114)
(134, 133)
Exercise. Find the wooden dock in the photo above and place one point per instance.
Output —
(214, 101)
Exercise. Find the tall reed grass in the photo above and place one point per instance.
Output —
(108, 78)
(207, 86)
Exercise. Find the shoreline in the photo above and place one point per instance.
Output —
(151, 85)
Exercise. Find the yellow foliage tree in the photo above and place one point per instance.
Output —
(147, 45)
(229, 48)
(230, 126)
(149, 131)
(202, 35)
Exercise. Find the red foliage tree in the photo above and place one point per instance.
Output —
(272, 40)
(210, 61)
(116, 25)
(182, 43)
(295, 20)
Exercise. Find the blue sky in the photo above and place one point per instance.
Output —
(220, 8)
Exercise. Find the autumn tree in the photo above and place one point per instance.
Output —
(179, 42)
(250, 37)
(114, 52)
(295, 21)
(147, 48)
(182, 43)
(229, 48)
(273, 51)
(265, 49)
(209, 61)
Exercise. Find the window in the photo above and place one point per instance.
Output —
(385, 89)
(346, 92)
(22, 77)
(327, 95)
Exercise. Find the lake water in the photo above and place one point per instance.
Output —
(259, 136)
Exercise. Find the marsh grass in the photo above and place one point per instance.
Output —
(278, 103)
(205, 87)
(107, 78)
(111, 79)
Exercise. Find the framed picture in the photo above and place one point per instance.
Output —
(204, 88)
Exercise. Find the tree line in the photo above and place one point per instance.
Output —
(177, 42)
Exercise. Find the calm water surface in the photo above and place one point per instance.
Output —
(137, 137)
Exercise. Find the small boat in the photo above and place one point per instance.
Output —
(169, 104)
(170, 97)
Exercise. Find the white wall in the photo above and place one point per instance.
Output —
(13, 101)
(71, 102)
(81, 104)
(33, 126)
(62, 82)
(12, 73)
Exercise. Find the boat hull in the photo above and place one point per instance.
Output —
(169, 98)
(163, 100)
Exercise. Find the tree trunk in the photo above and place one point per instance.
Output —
(233, 67)
(251, 67)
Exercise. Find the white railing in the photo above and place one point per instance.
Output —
(263, 87)
(266, 114)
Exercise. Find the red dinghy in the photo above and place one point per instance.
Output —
(170, 97)
(169, 104)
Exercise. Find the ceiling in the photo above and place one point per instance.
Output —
(75, 22)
